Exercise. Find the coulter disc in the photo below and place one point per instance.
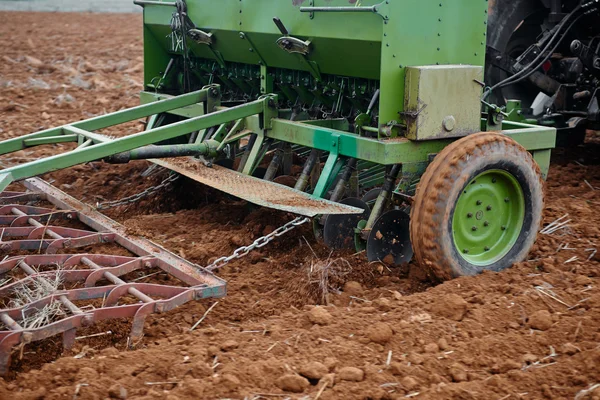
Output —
(389, 240)
(338, 231)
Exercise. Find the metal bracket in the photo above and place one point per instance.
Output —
(201, 37)
(294, 45)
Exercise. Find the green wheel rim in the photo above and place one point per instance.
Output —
(488, 217)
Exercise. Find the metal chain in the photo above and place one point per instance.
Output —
(258, 243)
(136, 197)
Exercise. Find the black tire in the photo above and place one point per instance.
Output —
(446, 179)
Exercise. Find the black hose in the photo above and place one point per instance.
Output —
(517, 77)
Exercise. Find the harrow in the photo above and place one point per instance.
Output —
(364, 118)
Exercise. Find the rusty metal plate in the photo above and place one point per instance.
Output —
(255, 190)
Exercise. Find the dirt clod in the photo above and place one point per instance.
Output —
(292, 383)
(409, 383)
(451, 306)
(229, 345)
(313, 370)
(117, 392)
(458, 373)
(540, 320)
(380, 333)
(353, 288)
(319, 316)
(431, 348)
(352, 374)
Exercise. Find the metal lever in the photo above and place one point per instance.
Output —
(281, 27)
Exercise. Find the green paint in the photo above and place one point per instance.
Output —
(488, 217)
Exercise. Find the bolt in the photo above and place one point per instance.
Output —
(478, 202)
(470, 215)
(489, 208)
(486, 248)
(486, 223)
(474, 228)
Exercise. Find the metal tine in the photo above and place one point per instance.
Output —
(118, 281)
(10, 323)
(26, 268)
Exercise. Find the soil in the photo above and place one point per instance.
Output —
(530, 332)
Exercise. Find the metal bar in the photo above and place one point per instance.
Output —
(33, 222)
(85, 144)
(116, 118)
(72, 307)
(321, 187)
(154, 3)
(10, 323)
(187, 272)
(371, 9)
(50, 140)
(26, 268)
(102, 150)
(167, 151)
(393, 151)
(117, 281)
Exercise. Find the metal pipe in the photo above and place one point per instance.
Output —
(154, 3)
(167, 151)
(274, 165)
(384, 196)
(118, 281)
(311, 161)
(340, 188)
(372, 9)
(37, 224)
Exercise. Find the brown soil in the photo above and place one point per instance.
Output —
(529, 332)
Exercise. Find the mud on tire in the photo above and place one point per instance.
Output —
(445, 181)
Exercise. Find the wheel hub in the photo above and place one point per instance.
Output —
(488, 217)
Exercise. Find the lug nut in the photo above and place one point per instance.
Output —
(466, 251)
(474, 228)
(489, 208)
(493, 180)
(478, 202)
(470, 215)
(503, 227)
(486, 223)
(506, 200)
(486, 248)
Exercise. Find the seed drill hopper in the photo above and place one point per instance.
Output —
(363, 116)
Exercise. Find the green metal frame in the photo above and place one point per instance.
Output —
(258, 117)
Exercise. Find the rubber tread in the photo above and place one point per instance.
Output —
(430, 211)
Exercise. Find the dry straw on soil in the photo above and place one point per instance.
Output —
(36, 289)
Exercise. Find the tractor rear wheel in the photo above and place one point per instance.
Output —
(478, 207)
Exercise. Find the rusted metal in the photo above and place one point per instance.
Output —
(254, 190)
(92, 287)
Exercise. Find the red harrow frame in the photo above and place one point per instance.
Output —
(95, 279)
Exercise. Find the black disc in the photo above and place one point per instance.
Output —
(389, 240)
(371, 196)
(338, 231)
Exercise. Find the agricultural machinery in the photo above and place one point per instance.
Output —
(362, 118)
(546, 53)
